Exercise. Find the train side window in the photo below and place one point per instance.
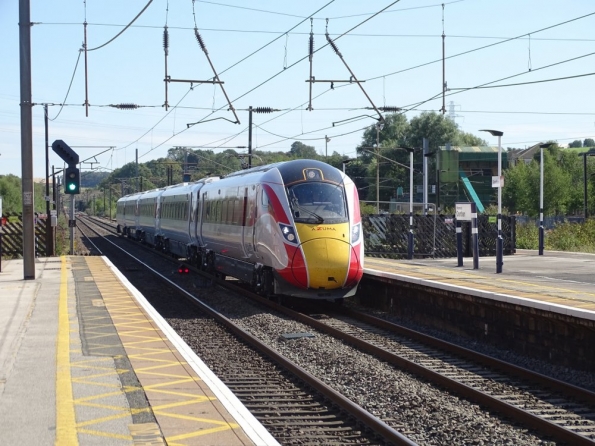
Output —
(264, 200)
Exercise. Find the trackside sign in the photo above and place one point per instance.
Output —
(463, 211)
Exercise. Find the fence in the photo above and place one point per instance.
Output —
(434, 236)
(385, 235)
(549, 222)
(12, 236)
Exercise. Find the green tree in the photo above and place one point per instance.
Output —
(575, 143)
(301, 150)
(10, 191)
(589, 142)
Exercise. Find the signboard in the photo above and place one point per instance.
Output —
(463, 211)
(496, 183)
(492, 219)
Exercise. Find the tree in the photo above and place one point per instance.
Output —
(10, 191)
(575, 143)
(301, 150)
(589, 142)
(433, 126)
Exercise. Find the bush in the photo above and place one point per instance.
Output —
(527, 236)
(572, 237)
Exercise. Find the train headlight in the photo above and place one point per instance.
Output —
(288, 233)
(356, 231)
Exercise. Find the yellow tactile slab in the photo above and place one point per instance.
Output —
(185, 408)
(557, 294)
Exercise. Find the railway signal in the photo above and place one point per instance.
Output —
(72, 181)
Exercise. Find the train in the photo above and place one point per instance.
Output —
(290, 228)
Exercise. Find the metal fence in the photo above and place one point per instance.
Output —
(549, 222)
(434, 236)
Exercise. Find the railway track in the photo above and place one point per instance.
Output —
(291, 403)
(557, 410)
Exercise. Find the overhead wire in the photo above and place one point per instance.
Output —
(330, 18)
(230, 67)
(125, 28)
(482, 47)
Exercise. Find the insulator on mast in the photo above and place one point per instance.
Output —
(333, 45)
(262, 110)
(124, 106)
(200, 42)
(165, 40)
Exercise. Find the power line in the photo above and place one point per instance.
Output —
(483, 47)
(264, 46)
(329, 18)
(528, 83)
(125, 28)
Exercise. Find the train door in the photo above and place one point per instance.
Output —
(204, 216)
(257, 197)
(248, 219)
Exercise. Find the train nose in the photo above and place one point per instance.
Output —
(326, 263)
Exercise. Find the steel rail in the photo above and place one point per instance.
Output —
(376, 425)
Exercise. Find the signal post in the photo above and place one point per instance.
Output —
(72, 181)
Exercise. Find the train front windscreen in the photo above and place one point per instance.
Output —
(317, 202)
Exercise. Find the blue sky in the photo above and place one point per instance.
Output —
(398, 53)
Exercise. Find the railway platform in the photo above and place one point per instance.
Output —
(84, 359)
(557, 282)
(538, 306)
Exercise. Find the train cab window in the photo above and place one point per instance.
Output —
(317, 202)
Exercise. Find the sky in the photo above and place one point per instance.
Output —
(260, 49)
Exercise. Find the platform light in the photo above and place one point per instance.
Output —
(499, 240)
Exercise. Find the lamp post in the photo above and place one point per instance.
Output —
(541, 229)
(379, 126)
(326, 140)
(591, 152)
(499, 241)
(410, 235)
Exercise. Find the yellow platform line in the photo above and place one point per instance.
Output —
(139, 336)
(65, 417)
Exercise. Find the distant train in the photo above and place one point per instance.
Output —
(291, 228)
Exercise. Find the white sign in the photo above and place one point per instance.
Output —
(53, 212)
(0, 207)
(496, 183)
(463, 211)
(27, 198)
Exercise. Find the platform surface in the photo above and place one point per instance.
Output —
(556, 281)
(84, 359)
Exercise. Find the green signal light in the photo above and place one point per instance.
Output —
(72, 186)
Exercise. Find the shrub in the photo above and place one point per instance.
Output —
(527, 236)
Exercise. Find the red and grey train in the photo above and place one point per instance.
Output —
(291, 228)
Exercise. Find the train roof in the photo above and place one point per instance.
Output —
(292, 171)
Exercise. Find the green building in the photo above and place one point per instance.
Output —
(465, 175)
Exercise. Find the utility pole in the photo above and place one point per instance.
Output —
(26, 140)
(249, 137)
(136, 170)
(443, 66)
(49, 229)
(379, 126)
